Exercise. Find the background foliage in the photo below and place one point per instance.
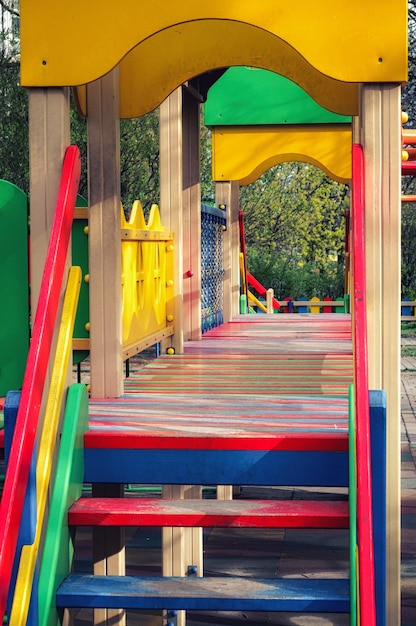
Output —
(295, 227)
(294, 214)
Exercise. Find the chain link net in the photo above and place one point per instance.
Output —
(212, 270)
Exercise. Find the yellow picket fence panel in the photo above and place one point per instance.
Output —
(147, 280)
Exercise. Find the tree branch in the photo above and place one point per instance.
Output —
(4, 5)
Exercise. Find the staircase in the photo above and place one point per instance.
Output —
(256, 430)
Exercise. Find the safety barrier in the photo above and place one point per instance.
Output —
(213, 225)
(366, 578)
(14, 281)
(147, 281)
(408, 310)
(303, 305)
(35, 374)
(56, 397)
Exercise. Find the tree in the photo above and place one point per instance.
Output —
(295, 228)
(139, 158)
(14, 127)
(409, 182)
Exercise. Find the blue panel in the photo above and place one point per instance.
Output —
(378, 429)
(29, 514)
(219, 467)
(226, 594)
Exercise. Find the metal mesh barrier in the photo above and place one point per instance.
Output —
(213, 224)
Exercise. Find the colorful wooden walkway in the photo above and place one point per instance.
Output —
(259, 377)
(276, 384)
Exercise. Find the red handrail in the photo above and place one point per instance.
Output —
(260, 289)
(21, 451)
(363, 447)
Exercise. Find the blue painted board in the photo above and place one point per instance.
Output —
(226, 594)
(378, 432)
(219, 467)
(29, 514)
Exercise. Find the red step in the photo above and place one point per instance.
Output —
(209, 513)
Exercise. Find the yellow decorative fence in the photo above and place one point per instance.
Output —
(147, 280)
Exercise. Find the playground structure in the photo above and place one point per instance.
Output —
(114, 76)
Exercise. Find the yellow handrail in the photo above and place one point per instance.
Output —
(29, 553)
(257, 302)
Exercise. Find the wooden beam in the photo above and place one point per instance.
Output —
(109, 554)
(105, 289)
(171, 203)
(104, 237)
(379, 131)
(191, 199)
(48, 140)
(227, 193)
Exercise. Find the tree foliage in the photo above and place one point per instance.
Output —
(139, 158)
(14, 127)
(409, 183)
(294, 219)
(294, 213)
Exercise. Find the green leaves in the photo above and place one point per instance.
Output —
(295, 228)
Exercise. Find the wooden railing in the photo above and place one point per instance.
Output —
(314, 305)
(362, 412)
(55, 400)
(14, 489)
(147, 282)
(408, 310)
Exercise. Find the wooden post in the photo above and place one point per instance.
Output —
(48, 139)
(171, 203)
(109, 555)
(180, 545)
(105, 289)
(191, 207)
(227, 193)
(378, 129)
(269, 300)
(104, 237)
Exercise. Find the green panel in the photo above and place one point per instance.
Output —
(58, 550)
(14, 286)
(245, 96)
(80, 258)
(352, 498)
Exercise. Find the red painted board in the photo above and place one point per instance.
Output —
(362, 411)
(209, 513)
(409, 168)
(337, 442)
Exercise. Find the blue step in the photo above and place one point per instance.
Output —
(205, 594)
(217, 467)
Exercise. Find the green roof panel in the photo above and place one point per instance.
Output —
(245, 96)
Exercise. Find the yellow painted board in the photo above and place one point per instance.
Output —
(151, 71)
(244, 153)
(315, 309)
(29, 553)
(353, 41)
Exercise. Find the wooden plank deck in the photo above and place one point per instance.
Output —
(268, 378)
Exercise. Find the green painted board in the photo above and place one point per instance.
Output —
(14, 286)
(80, 258)
(245, 96)
(58, 550)
(352, 491)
